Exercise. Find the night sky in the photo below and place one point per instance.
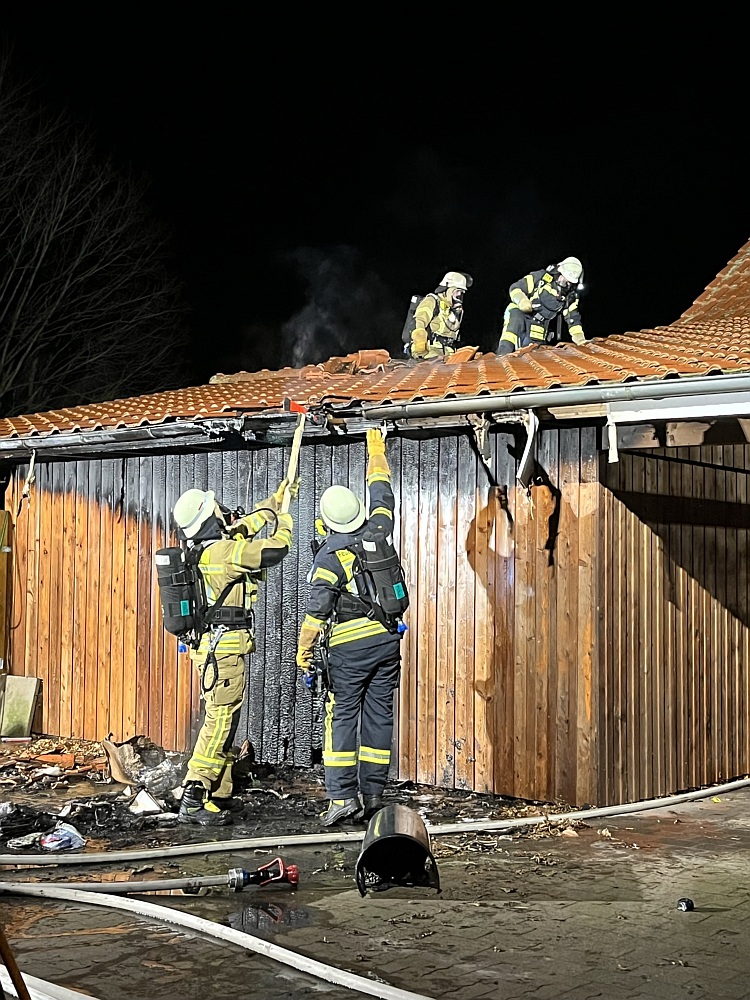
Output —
(314, 183)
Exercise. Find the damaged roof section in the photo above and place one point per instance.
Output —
(711, 338)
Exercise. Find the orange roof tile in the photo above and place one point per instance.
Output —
(711, 337)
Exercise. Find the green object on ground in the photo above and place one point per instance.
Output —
(19, 705)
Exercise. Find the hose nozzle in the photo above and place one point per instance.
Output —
(274, 871)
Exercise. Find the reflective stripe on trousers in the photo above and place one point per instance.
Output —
(360, 705)
(211, 760)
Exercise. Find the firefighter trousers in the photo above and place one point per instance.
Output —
(212, 758)
(520, 330)
(360, 704)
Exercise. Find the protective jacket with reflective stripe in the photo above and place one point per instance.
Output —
(236, 559)
(333, 571)
(548, 299)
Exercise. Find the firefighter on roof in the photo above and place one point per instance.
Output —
(231, 562)
(437, 318)
(364, 654)
(537, 299)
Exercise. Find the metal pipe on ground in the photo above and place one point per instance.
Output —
(356, 836)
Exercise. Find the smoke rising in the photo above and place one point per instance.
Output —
(348, 308)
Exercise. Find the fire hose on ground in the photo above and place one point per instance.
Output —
(275, 872)
(40, 989)
(498, 826)
(97, 893)
(249, 942)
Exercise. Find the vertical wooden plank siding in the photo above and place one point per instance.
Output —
(141, 667)
(44, 547)
(424, 614)
(409, 549)
(586, 640)
(104, 706)
(525, 596)
(129, 512)
(466, 532)
(80, 603)
(91, 653)
(589, 595)
(52, 563)
(545, 501)
(503, 497)
(66, 590)
(566, 614)
(484, 636)
(118, 608)
(683, 527)
(445, 694)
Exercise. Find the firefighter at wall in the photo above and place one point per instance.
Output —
(537, 299)
(437, 318)
(231, 562)
(364, 656)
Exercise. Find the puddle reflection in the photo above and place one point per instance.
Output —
(269, 917)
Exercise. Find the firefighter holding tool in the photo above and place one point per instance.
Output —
(229, 561)
(356, 600)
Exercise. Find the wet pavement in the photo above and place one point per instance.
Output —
(590, 910)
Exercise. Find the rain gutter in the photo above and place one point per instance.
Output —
(180, 432)
(546, 398)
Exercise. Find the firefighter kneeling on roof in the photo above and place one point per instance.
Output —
(230, 562)
(536, 299)
(357, 614)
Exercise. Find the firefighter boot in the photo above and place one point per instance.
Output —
(372, 804)
(195, 808)
(341, 809)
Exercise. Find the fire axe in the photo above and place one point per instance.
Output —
(291, 473)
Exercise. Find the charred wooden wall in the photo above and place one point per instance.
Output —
(498, 689)
(676, 664)
(572, 643)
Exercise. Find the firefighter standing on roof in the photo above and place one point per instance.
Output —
(437, 318)
(230, 561)
(537, 299)
(364, 657)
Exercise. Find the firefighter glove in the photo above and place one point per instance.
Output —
(578, 337)
(521, 300)
(308, 636)
(419, 343)
(304, 658)
(375, 442)
(278, 496)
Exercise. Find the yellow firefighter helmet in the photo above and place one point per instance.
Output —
(341, 510)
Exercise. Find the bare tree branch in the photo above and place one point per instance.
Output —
(88, 307)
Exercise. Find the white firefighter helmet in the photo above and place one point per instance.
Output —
(571, 269)
(193, 508)
(341, 510)
(454, 279)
